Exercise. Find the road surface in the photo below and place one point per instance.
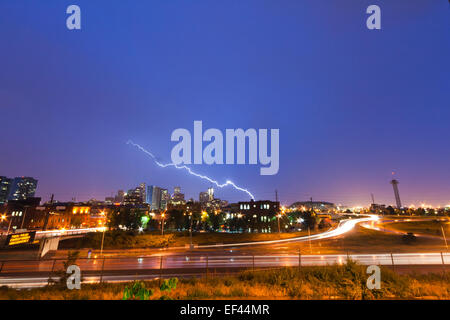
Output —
(33, 273)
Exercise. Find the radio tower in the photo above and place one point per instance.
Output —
(396, 193)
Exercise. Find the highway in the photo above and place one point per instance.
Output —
(32, 273)
(215, 258)
(343, 227)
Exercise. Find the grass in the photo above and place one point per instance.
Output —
(362, 240)
(431, 227)
(331, 282)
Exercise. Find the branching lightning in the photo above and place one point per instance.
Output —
(228, 183)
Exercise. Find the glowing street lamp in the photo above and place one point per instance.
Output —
(103, 235)
(190, 228)
(278, 218)
(162, 222)
(3, 217)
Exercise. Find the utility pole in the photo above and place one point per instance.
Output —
(24, 214)
(190, 229)
(278, 213)
(309, 238)
(103, 239)
(47, 214)
(9, 225)
(162, 223)
(278, 216)
(445, 239)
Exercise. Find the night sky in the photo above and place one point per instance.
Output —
(352, 105)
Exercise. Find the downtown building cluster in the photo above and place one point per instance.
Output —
(153, 208)
(142, 207)
(19, 188)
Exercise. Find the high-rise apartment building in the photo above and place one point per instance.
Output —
(5, 187)
(22, 188)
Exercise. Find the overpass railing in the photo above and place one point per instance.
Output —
(162, 266)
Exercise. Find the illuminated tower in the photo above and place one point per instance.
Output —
(211, 194)
(396, 193)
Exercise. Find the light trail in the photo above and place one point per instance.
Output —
(35, 273)
(162, 165)
(66, 232)
(343, 227)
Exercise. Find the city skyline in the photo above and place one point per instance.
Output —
(144, 190)
(225, 158)
(352, 105)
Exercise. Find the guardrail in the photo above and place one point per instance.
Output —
(201, 264)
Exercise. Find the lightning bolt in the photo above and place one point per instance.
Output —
(162, 165)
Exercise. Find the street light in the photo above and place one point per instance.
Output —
(103, 235)
(190, 228)
(278, 218)
(3, 217)
(162, 223)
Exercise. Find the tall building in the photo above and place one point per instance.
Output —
(119, 197)
(22, 188)
(210, 194)
(203, 197)
(154, 197)
(177, 197)
(396, 193)
(136, 196)
(206, 197)
(142, 191)
(148, 195)
(165, 197)
(158, 198)
(5, 186)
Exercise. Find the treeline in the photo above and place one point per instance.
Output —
(177, 220)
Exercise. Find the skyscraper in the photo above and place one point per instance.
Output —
(177, 196)
(155, 193)
(203, 197)
(5, 186)
(22, 188)
(211, 194)
(142, 191)
(149, 194)
(165, 197)
(119, 197)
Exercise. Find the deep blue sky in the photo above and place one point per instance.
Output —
(352, 105)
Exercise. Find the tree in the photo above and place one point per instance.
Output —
(309, 220)
(175, 219)
(130, 218)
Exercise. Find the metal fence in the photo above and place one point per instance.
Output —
(147, 267)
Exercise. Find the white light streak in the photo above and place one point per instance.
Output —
(162, 165)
